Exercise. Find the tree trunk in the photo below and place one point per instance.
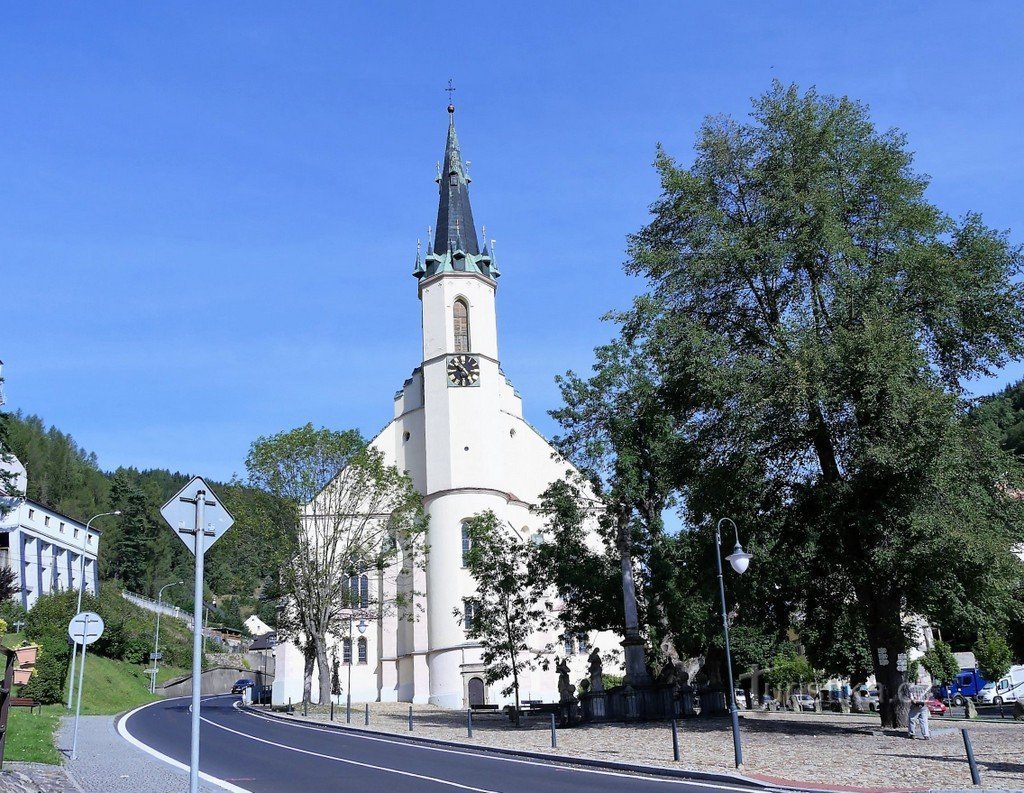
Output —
(308, 659)
(324, 669)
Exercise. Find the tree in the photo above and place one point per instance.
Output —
(508, 608)
(815, 316)
(993, 656)
(352, 512)
(940, 663)
(789, 669)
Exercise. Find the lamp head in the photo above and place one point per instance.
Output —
(361, 625)
(739, 559)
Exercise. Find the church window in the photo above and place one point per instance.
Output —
(460, 315)
(364, 591)
(583, 643)
(567, 645)
(361, 649)
(355, 591)
(468, 613)
(467, 544)
(346, 651)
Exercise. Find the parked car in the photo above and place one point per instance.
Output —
(936, 707)
(805, 701)
(1008, 688)
(241, 685)
(870, 697)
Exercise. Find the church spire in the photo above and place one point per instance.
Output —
(456, 247)
(455, 227)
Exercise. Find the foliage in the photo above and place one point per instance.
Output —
(508, 608)
(993, 656)
(8, 584)
(30, 736)
(940, 663)
(811, 317)
(352, 513)
(789, 668)
(49, 678)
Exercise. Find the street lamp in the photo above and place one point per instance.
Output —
(740, 561)
(156, 640)
(351, 660)
(78, 609)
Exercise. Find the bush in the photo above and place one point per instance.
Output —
(52, 613)
(48, 681)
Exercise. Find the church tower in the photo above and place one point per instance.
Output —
(464, 393)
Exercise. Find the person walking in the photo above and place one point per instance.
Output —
(918, 716)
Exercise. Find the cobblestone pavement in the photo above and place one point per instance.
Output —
(35, 778)
(828, 749)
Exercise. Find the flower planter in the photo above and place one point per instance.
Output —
(27, 655)
(22, 676)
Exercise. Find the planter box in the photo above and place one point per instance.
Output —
(27, 655)
(22, 676)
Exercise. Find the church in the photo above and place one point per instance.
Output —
(458, 432)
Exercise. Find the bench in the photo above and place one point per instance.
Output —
(484, 708)
(25, 702)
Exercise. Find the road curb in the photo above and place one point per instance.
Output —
(611, 765)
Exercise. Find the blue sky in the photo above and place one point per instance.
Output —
(209, 211)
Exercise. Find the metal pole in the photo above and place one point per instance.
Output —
(81, 681)
(332, 708)
(81, 586)
(156, 642)
(737, 746)
(554, 734)
(410, 718)
(675, 741)
(197, 641)
(366, 717)
(975, 774)
(348, 692)
(469, 723)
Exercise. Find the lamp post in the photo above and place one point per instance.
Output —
(156, 640)
(81, 587)
(351, 660)
(739, 560)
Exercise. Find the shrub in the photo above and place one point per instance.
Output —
(48, 680)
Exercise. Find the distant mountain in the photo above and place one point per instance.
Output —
(1003, 412)
(138, 548)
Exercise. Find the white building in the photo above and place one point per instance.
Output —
(458, 432)
(43, 547)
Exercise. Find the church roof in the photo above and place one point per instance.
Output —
(455, 247)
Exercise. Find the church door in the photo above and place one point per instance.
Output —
(476, 691)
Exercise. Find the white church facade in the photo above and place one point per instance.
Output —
(458, 432)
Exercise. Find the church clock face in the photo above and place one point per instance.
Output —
(463, 370)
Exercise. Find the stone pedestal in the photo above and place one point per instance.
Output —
(595, 706)
(636, 662)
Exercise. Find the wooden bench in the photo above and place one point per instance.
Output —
(25, 702)
(484, 708)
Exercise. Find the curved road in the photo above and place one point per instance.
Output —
(257, 753)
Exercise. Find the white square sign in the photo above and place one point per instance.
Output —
(180, 513)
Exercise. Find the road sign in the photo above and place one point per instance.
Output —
(901, 662)
(883, 656)
(156, 656)
(180, 514)
(88, 622)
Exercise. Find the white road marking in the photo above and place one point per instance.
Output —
(555, 764)
(122, 728)
(349, 762)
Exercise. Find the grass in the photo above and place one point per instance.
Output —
(110, 687)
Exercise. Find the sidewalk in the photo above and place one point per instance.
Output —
(827, 750)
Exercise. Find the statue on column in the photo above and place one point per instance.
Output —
(596, 671)
(565, 690)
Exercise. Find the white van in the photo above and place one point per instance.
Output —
(1008, 688)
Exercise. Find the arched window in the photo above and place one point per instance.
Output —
(361, 649)
(346, 651)
(467, 543)
(355, 591)
(364, 591)
(460, 316)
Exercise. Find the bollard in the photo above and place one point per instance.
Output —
(332, 709)
(554, 734)
(675, 741)
(366, 718)
(289, 711)
(975, 774)
(348, 710)
(305, 709)
(469, 724)
(410, 718)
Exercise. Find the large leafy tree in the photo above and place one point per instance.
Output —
(814, 316)
(353, 513)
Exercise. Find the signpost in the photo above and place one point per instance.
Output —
(85, 628)
(195, 510)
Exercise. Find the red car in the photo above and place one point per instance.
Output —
(936, 707)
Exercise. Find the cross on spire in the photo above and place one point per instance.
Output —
(450, 89)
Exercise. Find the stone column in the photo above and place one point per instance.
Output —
(633, 643)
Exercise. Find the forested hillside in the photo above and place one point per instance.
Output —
(138, 548)
(1004, 414)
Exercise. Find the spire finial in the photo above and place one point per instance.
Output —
(450, 89)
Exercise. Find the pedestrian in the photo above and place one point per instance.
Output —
(918, 717)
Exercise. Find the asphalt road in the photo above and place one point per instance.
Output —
(259, 753)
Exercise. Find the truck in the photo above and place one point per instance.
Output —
(1008, 688)
(967, 685)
